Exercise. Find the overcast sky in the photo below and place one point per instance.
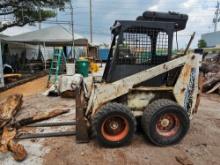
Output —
(201, 13)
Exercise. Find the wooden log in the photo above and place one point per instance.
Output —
(7, 144)
(40, 116)
(18, 150)
(9, 109)
(184, 160)
(214, 68)
(215, 88)
(7, 136)
(211, 81)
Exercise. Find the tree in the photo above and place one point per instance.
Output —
(202, 44)
(28, 11)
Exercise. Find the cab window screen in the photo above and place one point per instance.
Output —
(142, 46)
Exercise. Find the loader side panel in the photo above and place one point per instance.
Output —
(186, 89)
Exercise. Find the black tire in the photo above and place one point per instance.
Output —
(103, 123)
(165, 122)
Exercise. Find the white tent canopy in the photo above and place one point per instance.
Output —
(51, 36)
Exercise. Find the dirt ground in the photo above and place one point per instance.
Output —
(30, 88)
(201, 146)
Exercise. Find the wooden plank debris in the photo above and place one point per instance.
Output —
(8, 124)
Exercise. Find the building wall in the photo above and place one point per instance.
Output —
(212, 39)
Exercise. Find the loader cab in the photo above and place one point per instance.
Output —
(142, 44)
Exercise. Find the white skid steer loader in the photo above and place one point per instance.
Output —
(142, 79)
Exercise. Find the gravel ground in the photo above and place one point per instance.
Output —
(200, 146)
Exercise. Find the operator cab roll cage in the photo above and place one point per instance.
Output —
(139, 45)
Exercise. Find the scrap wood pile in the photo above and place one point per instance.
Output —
(9, 126)
(211, 70)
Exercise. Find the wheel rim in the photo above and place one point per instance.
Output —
(115, 128)
(168, 125)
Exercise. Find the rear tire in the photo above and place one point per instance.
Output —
(114, 125)
(165, 122)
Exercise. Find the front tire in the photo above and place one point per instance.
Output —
(165, 122)
(114, 125)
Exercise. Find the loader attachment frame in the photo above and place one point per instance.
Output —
(81, 122)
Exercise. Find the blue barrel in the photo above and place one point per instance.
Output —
(103, 54)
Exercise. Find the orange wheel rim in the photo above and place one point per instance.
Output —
(115, 128)
(168, 125)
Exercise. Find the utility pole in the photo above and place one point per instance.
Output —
(2, 84)
(72, 27)
(40, 17)
(90, 21)
(216, 18)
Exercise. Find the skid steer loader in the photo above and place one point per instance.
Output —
(142, 78)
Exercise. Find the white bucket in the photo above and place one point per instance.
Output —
(70, 69)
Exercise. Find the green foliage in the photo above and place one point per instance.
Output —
(202, 44)
(29, 11)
